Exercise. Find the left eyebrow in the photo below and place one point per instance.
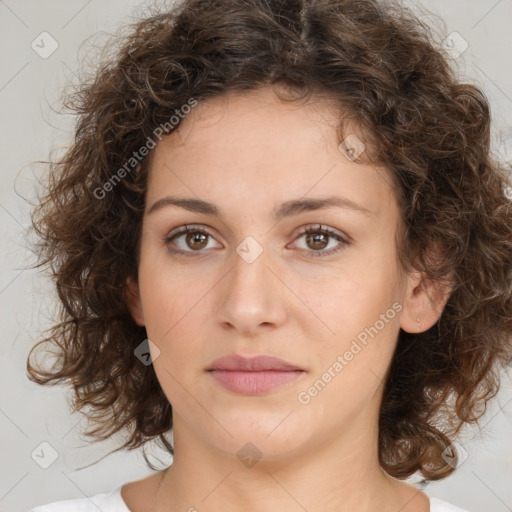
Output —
(296, 206)
(286, 209)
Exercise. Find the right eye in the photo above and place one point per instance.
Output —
(193, 240)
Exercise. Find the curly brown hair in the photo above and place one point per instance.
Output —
(381, 65)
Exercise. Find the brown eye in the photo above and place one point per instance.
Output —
(318, 238)
(188, 240)
(317, 241)
(195, 240)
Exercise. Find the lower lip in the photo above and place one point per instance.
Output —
(254, 383)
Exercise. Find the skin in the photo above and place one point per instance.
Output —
(247, 153)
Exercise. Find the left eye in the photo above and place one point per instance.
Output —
(317, 237)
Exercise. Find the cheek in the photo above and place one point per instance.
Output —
(352, 363)
(166, 292)
(173, 304)
(360, 312)
(353, 298)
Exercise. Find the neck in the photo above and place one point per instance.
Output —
(331, 475)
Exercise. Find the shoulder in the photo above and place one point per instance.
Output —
(437, 505)
(106, 502)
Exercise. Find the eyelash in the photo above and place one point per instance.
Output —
(309, 229)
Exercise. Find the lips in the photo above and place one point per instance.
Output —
(237, 362)
(253, 375)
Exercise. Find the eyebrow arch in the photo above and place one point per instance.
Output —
(286, 209)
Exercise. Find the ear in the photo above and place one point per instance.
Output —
(423, 303)
(133, 301)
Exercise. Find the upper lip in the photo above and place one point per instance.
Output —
(252, 364)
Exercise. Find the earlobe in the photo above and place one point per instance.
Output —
(134, 302)
(423, 304)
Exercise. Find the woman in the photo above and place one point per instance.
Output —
(281, 218)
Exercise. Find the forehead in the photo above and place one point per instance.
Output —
(251, 146)
(254, 117)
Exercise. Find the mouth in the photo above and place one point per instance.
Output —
(236, 362)
(253, 375)
(254, 382)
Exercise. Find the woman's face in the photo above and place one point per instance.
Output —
(255, 284)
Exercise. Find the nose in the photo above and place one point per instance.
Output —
(251, 297)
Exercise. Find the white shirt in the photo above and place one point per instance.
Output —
(113, 502)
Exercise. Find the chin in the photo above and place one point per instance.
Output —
(268, 438)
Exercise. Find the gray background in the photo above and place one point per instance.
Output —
(29, 414)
